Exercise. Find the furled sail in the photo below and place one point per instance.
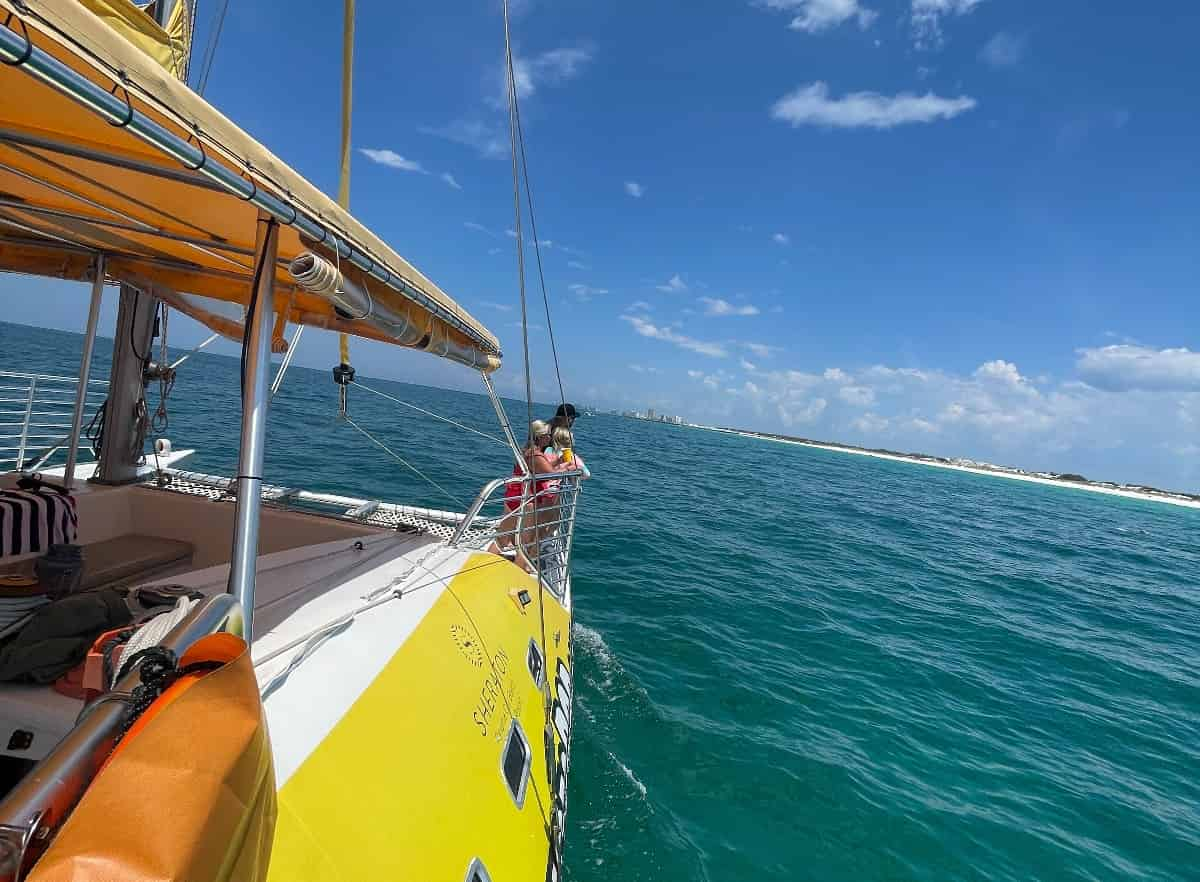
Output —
(104, 149)
(169, 45)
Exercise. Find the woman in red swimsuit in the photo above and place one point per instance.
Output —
(541, 497)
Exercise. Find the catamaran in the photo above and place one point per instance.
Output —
(244, 681)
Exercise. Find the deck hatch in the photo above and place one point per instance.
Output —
(537, 665)
(477, 872)
(515, 762)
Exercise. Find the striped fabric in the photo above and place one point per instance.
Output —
(33, 520)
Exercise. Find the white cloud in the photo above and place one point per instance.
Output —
(449, 179)
(1004, 50)
(781, 239)
(656, 332)
(858, 396)
(503, 307)
(836, 375)
(1130, 366)
(815, 16)
(634, 189)
(695, 375)
(575, 264)
(927, 18)
(392, 159)
(810, 412)
(761, 350)
(642, 369)
(489, 141)
(717, 306)
(493, 251)
(511, 233)
(479, 228)
(674, 285)
(870, 423)
(1001, 371)
(811, 105)
(1134, 419)
(550, 68)
(639, 306)
(585, 292)
(748, 366)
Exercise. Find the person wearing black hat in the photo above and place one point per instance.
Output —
(564, 416)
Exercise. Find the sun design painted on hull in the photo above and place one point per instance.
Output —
(466, 644)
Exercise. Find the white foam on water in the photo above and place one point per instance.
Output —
(633, 779)
(592, 641)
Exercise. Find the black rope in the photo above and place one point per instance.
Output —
(28, 53)
(122, 123)
(199, 146)
(144, 359)
(259, 259)
(95, 429)
(159, 669)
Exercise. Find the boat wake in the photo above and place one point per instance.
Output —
(633, 779)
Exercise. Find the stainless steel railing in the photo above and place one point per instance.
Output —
(35, 417)
(538, 525)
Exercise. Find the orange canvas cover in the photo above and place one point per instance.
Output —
(190, 794)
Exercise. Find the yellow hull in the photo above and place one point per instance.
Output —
(451, 764)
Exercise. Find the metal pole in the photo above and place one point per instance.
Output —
(256, 355)
(498, 406)
(25, 425)
(287, 360)
(85, 370)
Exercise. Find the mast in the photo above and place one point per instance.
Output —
(343, 374)
(125, 418)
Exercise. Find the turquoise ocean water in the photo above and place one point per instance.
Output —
(800, 664)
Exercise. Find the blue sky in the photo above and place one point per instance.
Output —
(966, 227)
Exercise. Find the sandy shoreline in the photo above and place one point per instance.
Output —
(1032, 479)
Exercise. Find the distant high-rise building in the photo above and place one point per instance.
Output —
(650, 414)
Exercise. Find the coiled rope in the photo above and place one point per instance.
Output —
(158, 668)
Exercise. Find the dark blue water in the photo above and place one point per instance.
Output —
(799, 664)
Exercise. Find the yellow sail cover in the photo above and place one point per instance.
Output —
(73, 184)
(169, 46)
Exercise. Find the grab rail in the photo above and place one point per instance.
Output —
(45, 797)
(552, 536)
(35, 416)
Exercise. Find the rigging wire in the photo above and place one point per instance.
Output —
(514, 119)
(401, 460)
(201, 345)
(512, 126)
(430, 413)
(537, 248)
(210, 50)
